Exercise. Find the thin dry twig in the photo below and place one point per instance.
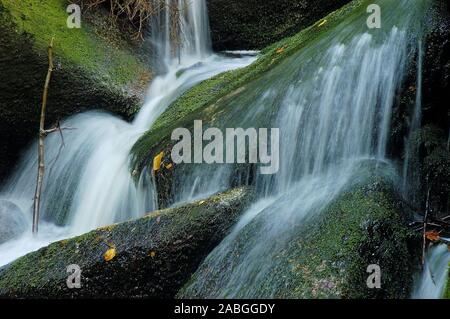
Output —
(42, 134)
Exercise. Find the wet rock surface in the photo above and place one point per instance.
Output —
(254, 24)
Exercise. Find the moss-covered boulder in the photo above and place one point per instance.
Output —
(254, 24)
(327, 255)
(148, 257)
(95, 68)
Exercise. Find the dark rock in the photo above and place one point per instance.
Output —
(430, 163)
(254, 24)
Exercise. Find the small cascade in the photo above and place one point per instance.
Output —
(432, 281)
(88, 182)
(180, 32)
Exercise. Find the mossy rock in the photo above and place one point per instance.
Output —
(447, 290)
(208, 99)
(254, 24)
(95, 68)
(152, 256)
(327, 256)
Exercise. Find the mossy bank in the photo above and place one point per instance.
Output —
(95, 68)
(148, 257)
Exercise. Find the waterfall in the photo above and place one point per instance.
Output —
(180, 32)
(431, 283)
(332, 101)
(88, 182)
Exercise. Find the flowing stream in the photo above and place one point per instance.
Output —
(332, 101)
(88, 183)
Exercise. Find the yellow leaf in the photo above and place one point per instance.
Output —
(152, 254)
(169, 166)
(280, 50)
(110, 254)
(322, 23)
(157, 161)
(201, 202)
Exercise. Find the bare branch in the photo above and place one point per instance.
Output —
(41, 155)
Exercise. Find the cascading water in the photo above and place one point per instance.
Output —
(89, 183)
(332, 101)
(431, 283)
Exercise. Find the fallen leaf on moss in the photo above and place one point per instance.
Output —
(110, 254)
(280, 50)
(201, 202)
(433, 235)
(157, 161)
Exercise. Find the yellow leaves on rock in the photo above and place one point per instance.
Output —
(157, 161)
(322, 23)
(280, 50)
(110, 254)
(433, 235)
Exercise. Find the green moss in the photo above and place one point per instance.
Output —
(43, 20)
(195, 103)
